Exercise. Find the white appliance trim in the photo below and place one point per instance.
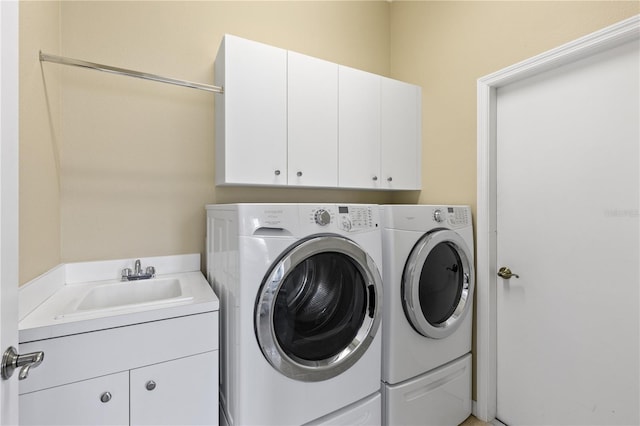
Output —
(486, 223)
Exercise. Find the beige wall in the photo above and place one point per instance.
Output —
(445, 46)
(137, 158)
(39, 233)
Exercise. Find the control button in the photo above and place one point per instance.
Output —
(437, 216)
(346, 224)
(322, 217)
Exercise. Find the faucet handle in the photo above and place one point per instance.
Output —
(126, 273)
(150, 271)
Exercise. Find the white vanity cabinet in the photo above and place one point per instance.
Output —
(156, 373)
(178, 392)
(79, 403)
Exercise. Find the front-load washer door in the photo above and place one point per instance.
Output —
(318, 308)
(437, 283)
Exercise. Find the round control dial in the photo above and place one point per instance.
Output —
(322, 217)
(438, 216)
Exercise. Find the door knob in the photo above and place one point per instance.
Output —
(12, 361)
(506, 273)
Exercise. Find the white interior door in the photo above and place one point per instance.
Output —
(568, 224)
(9, 202)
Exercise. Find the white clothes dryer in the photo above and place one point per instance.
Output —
(428, 280)
(300, 294)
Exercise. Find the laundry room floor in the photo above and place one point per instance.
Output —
(473, 421)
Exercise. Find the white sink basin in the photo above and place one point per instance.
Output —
(88, 296)
(127, 296)
(130, 293)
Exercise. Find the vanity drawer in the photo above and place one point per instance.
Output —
(82, 356)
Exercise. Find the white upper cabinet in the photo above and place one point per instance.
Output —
(251, 115)
(291, 119)
(401, 133)
(312, 121)
(359, 129)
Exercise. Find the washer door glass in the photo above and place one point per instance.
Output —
(437, 284)
(317, 311)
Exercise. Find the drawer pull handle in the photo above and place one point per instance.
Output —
(105, 397)
(151, 385)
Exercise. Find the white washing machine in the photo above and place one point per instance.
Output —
(301, 296)
(428, 280)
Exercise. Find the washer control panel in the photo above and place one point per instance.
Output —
(457, 216)
(349, 218)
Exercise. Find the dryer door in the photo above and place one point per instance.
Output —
(437, 284)
(318, 308)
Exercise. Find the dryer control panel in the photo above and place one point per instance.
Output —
(347, 217)
(454, 216)
(353, 218)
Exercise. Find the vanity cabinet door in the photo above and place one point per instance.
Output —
(251, 115)
(358, 129)
(179, 392)
(100, 401)
(312, 121)
(401, 134)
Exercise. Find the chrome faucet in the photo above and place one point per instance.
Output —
(137, 273)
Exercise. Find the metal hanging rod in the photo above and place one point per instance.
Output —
(130, 73)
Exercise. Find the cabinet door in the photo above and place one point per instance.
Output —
(251, 115)
(358, 128)
(178, 392)
(401, 134)
(80, 403)
(313, 121)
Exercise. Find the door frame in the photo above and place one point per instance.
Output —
(9, 201)
(486, 221)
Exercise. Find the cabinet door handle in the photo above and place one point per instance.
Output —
(277, 172)
(299, 174)
(105, 397)
(375, 178)
(150, 385)
(389, 179)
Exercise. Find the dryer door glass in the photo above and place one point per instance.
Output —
(437, 284)
(441, 283)
(318, 308)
